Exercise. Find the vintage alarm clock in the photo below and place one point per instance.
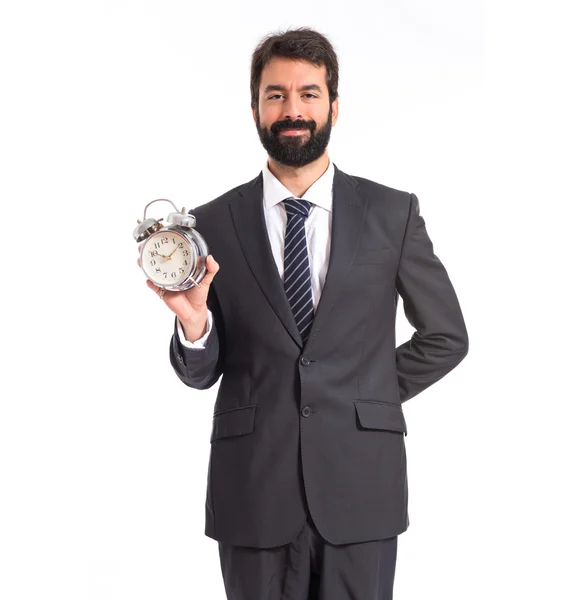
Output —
(173, 255)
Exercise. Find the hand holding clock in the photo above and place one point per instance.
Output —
(190, 305)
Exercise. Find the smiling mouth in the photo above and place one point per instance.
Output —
(292, 131)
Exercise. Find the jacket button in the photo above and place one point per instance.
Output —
(306, 411)
(304, 360)
(179, 358)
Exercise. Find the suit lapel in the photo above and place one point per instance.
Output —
(249, 222)
(348, 214)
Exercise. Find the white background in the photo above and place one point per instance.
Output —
(108, 105)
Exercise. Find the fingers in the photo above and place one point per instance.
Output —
(212, 267)
(139, 248)
(154, 287)
(211, 264)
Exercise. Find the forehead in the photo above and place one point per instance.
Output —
(289, 73)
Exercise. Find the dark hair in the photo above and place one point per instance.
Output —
(298, 44)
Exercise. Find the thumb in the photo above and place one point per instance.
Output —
(212, 266)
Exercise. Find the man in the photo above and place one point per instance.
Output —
(307, 488)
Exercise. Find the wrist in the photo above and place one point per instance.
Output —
(195, 326)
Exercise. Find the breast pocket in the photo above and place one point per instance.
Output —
(371, 257)
(374, 268)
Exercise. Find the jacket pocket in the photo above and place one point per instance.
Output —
(232, 422)
(380, 415)
(370, 257)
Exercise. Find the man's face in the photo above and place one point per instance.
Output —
(294, 118)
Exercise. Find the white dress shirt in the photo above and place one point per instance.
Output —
(318, 226)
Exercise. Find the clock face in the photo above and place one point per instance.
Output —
(167, 258)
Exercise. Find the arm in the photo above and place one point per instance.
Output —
(200, 367)
(440, 341)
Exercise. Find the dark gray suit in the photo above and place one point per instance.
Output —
(319, 428)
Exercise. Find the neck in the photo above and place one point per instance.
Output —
(299, 179)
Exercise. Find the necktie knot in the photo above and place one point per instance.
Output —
(297, 206)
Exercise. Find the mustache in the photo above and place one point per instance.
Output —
(283, 125)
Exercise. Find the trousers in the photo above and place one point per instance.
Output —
(310, 568)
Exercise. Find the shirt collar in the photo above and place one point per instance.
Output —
(319, 193)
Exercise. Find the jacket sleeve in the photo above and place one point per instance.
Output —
(200, 368)
(431, 306)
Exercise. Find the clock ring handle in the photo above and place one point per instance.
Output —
(161, 200)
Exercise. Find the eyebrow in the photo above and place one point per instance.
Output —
(281, 88)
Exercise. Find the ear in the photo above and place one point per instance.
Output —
(254, 113)
(335, 110)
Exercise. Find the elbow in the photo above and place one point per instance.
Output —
(453, 347)
(462, 345)
(199, 383)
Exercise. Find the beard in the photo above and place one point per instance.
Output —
(291, 150)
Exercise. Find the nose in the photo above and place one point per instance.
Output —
(292, 108)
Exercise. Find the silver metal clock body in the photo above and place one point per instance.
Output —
(173, 256)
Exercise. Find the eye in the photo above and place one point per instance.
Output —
(279, 96)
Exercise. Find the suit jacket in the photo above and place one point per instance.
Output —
(319, 427)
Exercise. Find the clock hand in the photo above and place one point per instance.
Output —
(170, 255)
(155, 252)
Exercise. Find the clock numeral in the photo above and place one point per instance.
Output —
(173, 274)
(164, 240)
(185, 252)
(165, 275)
(185, 263)
(157, 245)
(180, 245)
(152, 262)
(181, 270)
(157, 270)
(152, 253)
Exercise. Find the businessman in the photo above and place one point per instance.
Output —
(307, 486)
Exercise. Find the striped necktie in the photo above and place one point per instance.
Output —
(296, 265)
